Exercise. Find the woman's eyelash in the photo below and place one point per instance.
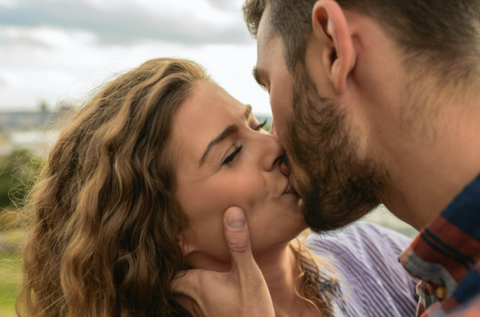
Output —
(230, 158)
(237, 150)
(261, 125)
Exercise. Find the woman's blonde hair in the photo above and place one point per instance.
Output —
(104, 218)
(318, 277)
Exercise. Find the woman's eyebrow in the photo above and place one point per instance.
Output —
(222, 136)
(231, 129)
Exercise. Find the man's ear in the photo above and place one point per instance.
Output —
(330, 27)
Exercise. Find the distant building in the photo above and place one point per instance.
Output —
(34, 131)
(33, 121)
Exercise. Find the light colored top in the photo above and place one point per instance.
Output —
(371, 280)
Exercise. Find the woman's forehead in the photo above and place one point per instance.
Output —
(205, 113)
(208, 103)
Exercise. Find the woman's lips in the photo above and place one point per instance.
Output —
(289, 189)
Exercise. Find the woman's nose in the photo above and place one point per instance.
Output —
(272, 152)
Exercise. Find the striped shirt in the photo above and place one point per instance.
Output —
(371, 281)
(446, 256)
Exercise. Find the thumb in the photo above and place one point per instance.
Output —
(238, 240)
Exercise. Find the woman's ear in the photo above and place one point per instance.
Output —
(330, 28)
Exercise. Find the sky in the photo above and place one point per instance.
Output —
(58, 51)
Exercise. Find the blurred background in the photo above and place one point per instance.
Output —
(53, 53)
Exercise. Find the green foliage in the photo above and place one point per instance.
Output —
(10, 278)
(10, 270)
(9, 219)
(16, 173)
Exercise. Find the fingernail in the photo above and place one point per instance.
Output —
(235, 218)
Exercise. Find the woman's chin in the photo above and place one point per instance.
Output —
(219, 260)
(278, 237)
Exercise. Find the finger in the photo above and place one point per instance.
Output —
(186, 283)
(184, 301)
(273, 130)
(245, 271)
(238, 240)
(188, 291)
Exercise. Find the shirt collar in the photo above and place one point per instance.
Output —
(448, 247)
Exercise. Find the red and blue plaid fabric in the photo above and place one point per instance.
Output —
(446, 257)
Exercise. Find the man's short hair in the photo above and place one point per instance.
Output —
(443, 34)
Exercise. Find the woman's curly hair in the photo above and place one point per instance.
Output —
(104, 219)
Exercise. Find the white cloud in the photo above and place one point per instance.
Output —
(44, 36)
(71, 71)
(122, 21)
(61, 49)
(227, 5)
(8, 79)
(7, 3)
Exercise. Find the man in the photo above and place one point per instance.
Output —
(377, 101)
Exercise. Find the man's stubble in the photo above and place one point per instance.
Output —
(339, 187)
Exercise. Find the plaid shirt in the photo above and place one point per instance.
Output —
(446, 257)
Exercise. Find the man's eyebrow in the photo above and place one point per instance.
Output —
(257, 74)
(231, 129)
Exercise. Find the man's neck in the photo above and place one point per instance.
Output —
(426, 175)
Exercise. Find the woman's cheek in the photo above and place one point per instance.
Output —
(245, 186)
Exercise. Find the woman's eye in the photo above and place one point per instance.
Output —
(230, 158)
(261, 125)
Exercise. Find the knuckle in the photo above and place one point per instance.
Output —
(239, 243)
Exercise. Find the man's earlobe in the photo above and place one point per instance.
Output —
(331, 28)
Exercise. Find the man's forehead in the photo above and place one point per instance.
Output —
(269, 42)
(265, 30)
(267, 54)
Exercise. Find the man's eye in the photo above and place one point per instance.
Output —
(261, 125)
(230, 158)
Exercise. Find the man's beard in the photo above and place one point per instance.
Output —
(339, 187)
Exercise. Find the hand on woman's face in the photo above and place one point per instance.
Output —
(223, 158)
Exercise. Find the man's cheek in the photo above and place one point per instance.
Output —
(279, 121)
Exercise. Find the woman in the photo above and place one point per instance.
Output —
(135, 189)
